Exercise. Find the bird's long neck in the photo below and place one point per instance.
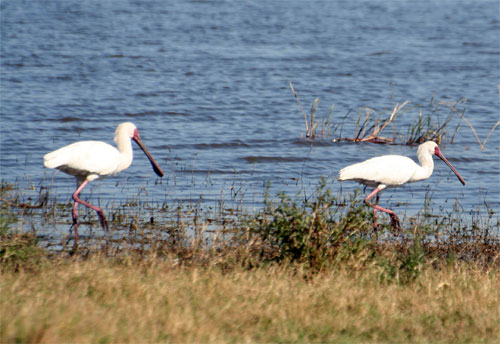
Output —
(124, 144)
(424, 170)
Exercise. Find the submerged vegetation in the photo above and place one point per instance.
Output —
(305, 268)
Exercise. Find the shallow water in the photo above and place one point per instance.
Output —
(207, 84)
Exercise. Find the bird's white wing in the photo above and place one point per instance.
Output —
(390, 170)
(84, 158)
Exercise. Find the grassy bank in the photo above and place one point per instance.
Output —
(312, 270)
(100, 299)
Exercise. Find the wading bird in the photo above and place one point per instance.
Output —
(90, 160)
(392, 171)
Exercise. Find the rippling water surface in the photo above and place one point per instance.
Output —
(207, 84)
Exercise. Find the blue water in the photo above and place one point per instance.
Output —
(207, 84)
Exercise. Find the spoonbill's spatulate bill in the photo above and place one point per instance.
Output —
(90, 160)
(392, 171)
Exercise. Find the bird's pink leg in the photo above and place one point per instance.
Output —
(99, 211)
(375, 214)
(394, 217)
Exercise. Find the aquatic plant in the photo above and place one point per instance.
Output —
(311, 124)
(453, 107)
(427, 125)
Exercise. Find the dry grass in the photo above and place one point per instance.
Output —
(108, 300)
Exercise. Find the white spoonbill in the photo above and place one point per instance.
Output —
(90, 160)
(392, 171)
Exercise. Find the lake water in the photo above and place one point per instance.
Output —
(207, 84)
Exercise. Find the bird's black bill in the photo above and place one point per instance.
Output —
(441, 156)
(155, 165)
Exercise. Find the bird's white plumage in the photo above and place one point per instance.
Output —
(392, 170)
(85, 160)
(89, 160)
